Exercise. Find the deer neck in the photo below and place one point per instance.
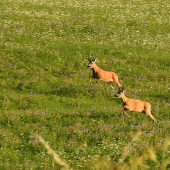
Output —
(124, 99)
(95, 68)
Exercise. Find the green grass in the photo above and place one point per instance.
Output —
(44, 46)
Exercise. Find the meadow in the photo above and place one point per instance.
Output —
(45, 91)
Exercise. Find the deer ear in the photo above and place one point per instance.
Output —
(121, 89)
(89, 59)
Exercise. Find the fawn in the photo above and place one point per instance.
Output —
(134, 105)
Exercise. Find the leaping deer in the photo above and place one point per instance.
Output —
(102, 75)
(134, 105)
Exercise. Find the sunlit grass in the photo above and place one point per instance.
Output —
(45, 82)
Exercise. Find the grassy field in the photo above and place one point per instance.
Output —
(45, 91)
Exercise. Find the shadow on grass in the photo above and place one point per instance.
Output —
(101, 115)
(82, 91)
(160, 96)
(63, 91)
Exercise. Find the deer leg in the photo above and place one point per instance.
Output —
(97, 82)
(123, 112)
(127, 115)
(90, 80)
(109, 83)
(99, 79)
(116, 81)
(126, 108)
(150, 115)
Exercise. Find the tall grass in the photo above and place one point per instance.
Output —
(134, 162)
(44, 46)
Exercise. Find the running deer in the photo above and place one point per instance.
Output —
(134, 105)
(102, 75)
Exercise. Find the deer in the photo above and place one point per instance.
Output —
(102, 75)
(134, 105)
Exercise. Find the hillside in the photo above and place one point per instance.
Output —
(44, 47)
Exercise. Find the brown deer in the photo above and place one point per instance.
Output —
(102, 75)
(134, 105)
